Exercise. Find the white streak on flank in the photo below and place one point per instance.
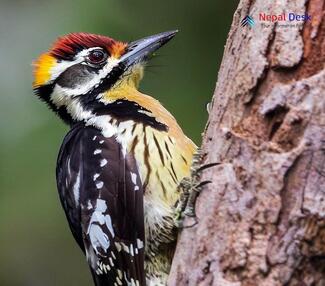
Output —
(136, 250)
(94, 138)
(97, 151)
(113, 255)
(104, 269)
(96, 176)
(76, 189)
(111, 261)
(90, 206)
(103, 162)
(98, 237)
(119, 281)
(139, 243)
(107, 267)
(118, 246)
(101, 141)
(134, 178)
(99, 185)
(131, 250)
(125, 247)
(119, 273)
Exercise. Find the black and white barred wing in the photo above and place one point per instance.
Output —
(102, 195)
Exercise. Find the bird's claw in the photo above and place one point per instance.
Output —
(190, 187)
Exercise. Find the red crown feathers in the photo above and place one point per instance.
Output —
(67, 46)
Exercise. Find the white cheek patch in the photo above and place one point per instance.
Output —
(73, 105)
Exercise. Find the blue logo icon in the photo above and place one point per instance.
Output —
(248, 21)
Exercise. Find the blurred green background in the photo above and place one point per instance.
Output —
(36, 247)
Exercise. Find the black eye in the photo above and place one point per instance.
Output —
(96, 56)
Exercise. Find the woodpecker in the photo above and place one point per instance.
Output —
(120, 165)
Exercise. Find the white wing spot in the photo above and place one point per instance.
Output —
(99, 184)
(119, 281)
(101, 141)
(111, 261)
(113, 255)
(94, 138)
(96, 176)
(134, 178)
(98, 237)
(125, 248)
(139, 243)
(103, 162)
(97, 151)
(131, 250)
(118, 246)
(107, 267)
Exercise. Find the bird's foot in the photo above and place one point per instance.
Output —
(190, 187)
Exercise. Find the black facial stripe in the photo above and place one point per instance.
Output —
(105, 84)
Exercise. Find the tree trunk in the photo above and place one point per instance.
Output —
(262, 219)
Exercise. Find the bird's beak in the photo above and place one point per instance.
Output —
(140, 50)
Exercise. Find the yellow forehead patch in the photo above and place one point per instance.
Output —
(42, 69)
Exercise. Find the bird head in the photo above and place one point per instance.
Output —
(85, 74)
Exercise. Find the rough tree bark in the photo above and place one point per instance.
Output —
(262, 219)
